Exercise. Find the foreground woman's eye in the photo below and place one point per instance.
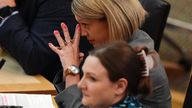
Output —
(92, 78)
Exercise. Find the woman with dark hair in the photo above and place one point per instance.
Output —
(113, 74)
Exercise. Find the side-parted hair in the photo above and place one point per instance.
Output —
(121, 61)
(123, 16)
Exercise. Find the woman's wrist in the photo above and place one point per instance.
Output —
(71, 80)
(71, 75)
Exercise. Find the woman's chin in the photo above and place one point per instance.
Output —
(84, 102)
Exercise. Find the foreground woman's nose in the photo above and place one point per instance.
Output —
(81, 84)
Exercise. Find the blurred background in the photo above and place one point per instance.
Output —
(176, 48)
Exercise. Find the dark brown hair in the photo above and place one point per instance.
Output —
(121, 61)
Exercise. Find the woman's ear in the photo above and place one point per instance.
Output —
(121, 86)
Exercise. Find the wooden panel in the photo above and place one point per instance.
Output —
(13, 79)
(177, 99)
(173, 70)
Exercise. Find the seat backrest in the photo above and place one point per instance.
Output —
(158, 11)
(188, 96)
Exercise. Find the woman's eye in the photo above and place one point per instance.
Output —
(84, 25)
(92, 78)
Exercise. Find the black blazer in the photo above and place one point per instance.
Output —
(26, 35)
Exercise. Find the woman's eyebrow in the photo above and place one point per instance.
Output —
(89, 73)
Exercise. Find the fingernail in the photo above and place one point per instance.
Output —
(78, 27)
(56, 32)
(63, 25)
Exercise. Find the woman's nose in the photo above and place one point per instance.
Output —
(81, 84)
(84, 32)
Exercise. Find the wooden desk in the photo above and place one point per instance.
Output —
(54, 103)
(14, 80)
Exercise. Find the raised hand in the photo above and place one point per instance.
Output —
(68, 49)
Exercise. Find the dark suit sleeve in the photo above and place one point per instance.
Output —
(59, 82)
(26, 38)
(70, 98)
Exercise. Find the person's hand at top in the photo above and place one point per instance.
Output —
(4, 3)
(68, 50)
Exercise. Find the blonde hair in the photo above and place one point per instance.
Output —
(123, 16)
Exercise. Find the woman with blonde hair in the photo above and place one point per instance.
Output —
(103, 21)
(123, 17)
